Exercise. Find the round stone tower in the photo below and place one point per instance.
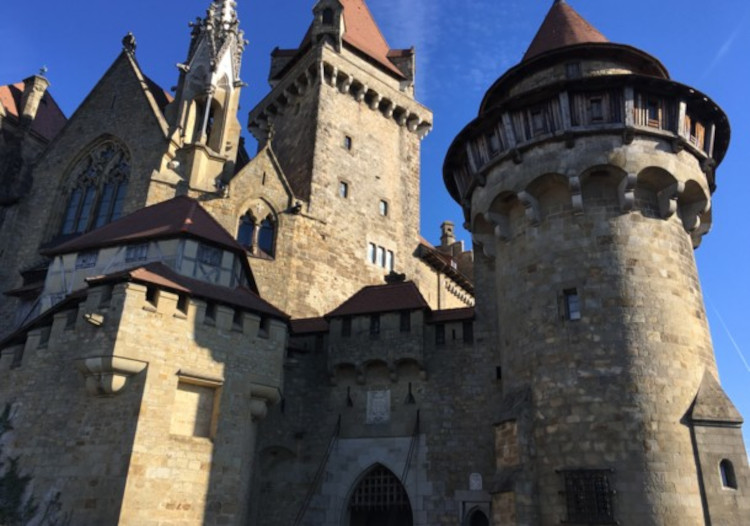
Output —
(586, 181)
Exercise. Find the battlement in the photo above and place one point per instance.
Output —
(336, 71)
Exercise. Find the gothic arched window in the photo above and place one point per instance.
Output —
(267, 236)
(258, 237)
(98, 185)
(246, 232)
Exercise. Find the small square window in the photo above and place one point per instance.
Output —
(348, 143)
(383, 208)
(343, 189)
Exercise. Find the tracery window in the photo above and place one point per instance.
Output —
(99, 183)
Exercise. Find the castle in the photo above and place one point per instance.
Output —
(194, 335)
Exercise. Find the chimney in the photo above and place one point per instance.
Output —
(34, 89)
(447, 237)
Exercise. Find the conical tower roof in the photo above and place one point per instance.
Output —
(562, 27)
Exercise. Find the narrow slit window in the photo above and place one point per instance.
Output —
(343, 190)
(405, 324)
(346, 327)
(383, 208)
(597, 110)
(728, 477)
(572, 304)
(348, 143)
(440, 334)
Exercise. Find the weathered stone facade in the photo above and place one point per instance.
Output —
(151, 384)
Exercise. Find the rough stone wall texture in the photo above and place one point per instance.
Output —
(117, 107)
(726, 505)
(455, 396)
(119, 459)
(614, 386)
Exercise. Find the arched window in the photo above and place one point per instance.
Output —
(267, 236)
(258, 238)
(380, 498)
(728, 478)
(98, 186)
(246, 232)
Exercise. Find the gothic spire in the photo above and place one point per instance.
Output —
(220, 30)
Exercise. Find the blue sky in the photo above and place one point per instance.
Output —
(462, 47)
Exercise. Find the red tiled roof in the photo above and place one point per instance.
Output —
(444, 316)
(162, 276)
(562, 27)
(309, 326)
(362, 33)
(382, 298)
(49, 119)
(181, 216)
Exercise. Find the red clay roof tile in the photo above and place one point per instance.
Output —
(562, 27)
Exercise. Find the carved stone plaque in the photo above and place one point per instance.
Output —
(378, 407)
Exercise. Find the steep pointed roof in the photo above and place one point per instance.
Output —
(181, 216)
(562, 27)
(362, 33)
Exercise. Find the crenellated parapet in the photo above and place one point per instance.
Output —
(329, 70)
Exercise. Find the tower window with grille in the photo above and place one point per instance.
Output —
(588, 497)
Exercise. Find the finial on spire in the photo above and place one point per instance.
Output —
(43, 71)
(129, 44)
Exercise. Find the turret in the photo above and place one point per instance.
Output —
(204, 113)
(587, 180)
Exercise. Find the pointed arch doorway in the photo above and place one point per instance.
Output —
(379, 499)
